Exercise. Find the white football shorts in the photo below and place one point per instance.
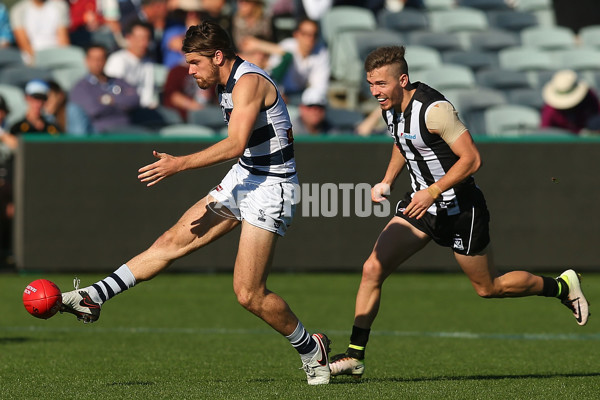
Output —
(261, 201)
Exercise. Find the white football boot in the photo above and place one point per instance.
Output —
(343, 364)
(575, 301)
(79, 303)
(317, 369)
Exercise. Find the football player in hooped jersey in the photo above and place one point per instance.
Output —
(257, 194)
(444, 205)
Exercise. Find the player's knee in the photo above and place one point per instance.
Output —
(167, 244)
(247, 299)
(489, 292)
(372, 270)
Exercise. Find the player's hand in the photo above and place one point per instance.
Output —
(166, 165)
(380, 192)
(419, 204)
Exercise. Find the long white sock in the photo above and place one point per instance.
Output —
(117, 282)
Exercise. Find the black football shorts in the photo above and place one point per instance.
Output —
(466, 232)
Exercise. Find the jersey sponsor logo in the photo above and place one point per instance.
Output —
(408, 136)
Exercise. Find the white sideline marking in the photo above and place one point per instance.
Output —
(227, 331)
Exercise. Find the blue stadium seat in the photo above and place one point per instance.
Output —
(449, 76)
(407, 20)
(511, 20)
(10, 56)
(548, 38)
(210, 116)
(590, 36)
(340, 19)
(20, 75)
(441, 41)
(186, 130)
(461, 19)
(526, 97)
(511, 120)
(475, 60)
(60, 57)
(493, 40)
(502, 79)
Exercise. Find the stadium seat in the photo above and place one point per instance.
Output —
(511, 20)
(542, 9)
(511, 120)
(10, 56)
(461, 19)
(548, 38)
(346, 18)
(186, 130)
(526, 97)
(580, 59)
(20, 75)
(352, 49)
(502, 79)
(484, 5)
(523, 58)
(493, 40)
(345, 121)
(435, 5)
(440, 41)
(68, 77)
(407, 20)
(60, 57)
(155, 118)
(15, 99)
(210, 116)
(471, 104)
(590, 36)
(420, 58)
(449, 76)
(475, 60)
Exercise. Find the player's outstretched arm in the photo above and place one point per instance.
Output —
(252, 92)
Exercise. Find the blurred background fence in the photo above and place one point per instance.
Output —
(81, 208)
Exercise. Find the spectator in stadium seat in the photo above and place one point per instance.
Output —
(444, 205)
(309, 67)
(311, 115)
(569, 102)
(39, 24)
(174, 34)
(132, 65)
(99, 103)
(218, 11)
(154, 13)
(251, 19)
(6, 35)
(36, 94)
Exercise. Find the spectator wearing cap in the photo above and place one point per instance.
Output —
(36, 94)
(311, 119)
(99, 103)
(569, 102)
(39, 24)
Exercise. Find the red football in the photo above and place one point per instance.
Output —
(42, 298)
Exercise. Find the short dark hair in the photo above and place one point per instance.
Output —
(138, 22)
(206, 39)
(388, 55)
(95, 46)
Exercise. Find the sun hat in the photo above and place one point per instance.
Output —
(564, 90)
(37, 88)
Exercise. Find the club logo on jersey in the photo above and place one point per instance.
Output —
(261, 217)
(277, 224)
(458, 244)
(219, 188)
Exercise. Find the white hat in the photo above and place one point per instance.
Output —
(189, 5)
(37, 87)
(564, 90)
(313, 97)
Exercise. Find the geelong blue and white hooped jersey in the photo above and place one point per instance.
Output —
(428, 156)
(270, 151)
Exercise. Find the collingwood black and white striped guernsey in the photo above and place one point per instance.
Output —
(428, 156)
(270, 150)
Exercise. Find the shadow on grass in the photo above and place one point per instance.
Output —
(131, 383)
(13, 340)
(349, 380)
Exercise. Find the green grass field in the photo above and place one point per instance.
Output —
(185, 337)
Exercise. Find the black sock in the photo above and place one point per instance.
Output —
(555, 288)
(358, 342)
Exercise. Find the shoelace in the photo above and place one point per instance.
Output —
(76, 282)
(309, 370)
